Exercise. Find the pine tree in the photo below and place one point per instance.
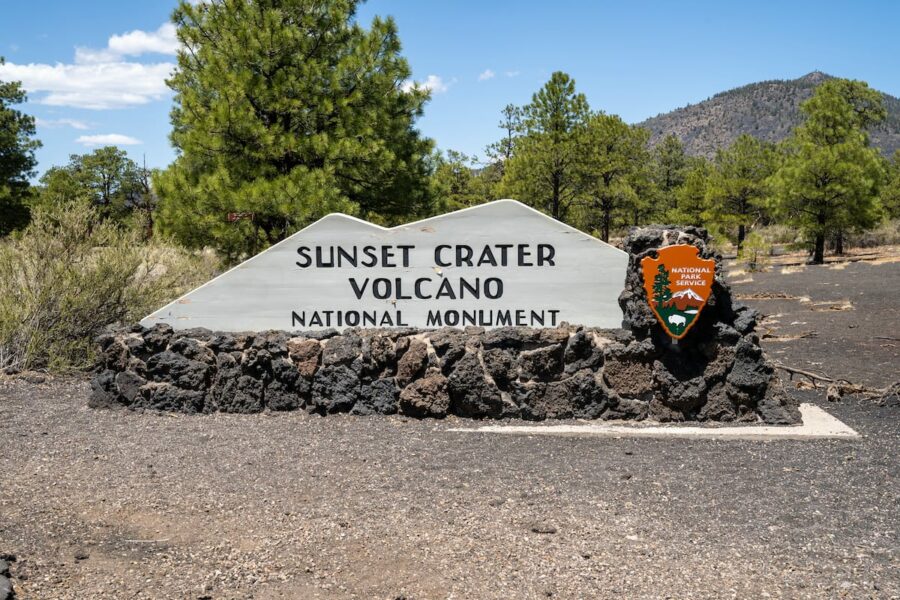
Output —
(113, 183)
(614, 153)
(289, 110)
(890, 193)
(545, 168)
(662, 291)
(829, 179)
(738, 186)
(17, 161)
(670, 168)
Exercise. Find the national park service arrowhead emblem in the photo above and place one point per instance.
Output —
(678, 283)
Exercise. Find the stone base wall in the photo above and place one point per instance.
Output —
(567, 372)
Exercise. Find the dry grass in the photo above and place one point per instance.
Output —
(69, 275)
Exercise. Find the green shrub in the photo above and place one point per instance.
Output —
(779, 234)
(69, 274)
(718, 239)
(755, 251)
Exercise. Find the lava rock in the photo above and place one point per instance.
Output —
(426, 397)
(169, 367)
(166, 396)
(413, 362)
(306, 354)
(335, 388)
(471, 393)
(510, 338)
(580, 353)
(287, 390)
(156, 338)
(542, 364)
(104, 393)
(244, 395)
(128, 384)
(750, 372)
(630, 378)
(450, 346)
(341, 349)
(377, 398)
(500, 365)
(192, 349)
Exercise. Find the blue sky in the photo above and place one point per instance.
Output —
(95, 69)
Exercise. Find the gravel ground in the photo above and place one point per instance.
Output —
(118, 504)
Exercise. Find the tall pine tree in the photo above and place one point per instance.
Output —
(289, 110)
(546, 165)
(829, 180)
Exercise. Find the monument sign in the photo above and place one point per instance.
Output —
(493, 265)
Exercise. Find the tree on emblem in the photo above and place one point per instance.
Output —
(662, 293)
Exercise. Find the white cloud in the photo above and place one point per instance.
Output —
(96, 86)
(53, 123)
(512, 73)
(486, 74)
(133, 43)
(432, 83)
(102, 78)
(108, 139)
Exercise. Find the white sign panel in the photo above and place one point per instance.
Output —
(498, 264)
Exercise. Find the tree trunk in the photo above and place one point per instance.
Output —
(555, 206)
(148, 231)
(819, 252)
(606, 221)
(742, 233)
(839, 243)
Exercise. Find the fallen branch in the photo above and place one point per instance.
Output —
(768, 335)
(813, 377)
(838, 388)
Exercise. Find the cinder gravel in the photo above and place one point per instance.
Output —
(118, 504)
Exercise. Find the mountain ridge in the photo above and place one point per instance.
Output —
(768, 110)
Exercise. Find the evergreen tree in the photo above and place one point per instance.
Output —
(113, 183)
(501, 151)
(690, 196)
(662, 292)
(289, 110)
(829, 179)
(737, 188)
(545, 169)
(890, 193)
(17, 161)
(614, 153)
(456, 184)
(670, 168)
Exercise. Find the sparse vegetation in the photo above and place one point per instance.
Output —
(755, 252)
(69, 274)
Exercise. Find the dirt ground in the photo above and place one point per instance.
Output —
(117, 504)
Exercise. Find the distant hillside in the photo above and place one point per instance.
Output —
(767, 110)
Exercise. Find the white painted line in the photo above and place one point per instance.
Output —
(817, 425)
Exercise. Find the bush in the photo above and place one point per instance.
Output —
(718, 239)
(886, 234)
(779, 234)
(755, 251)
(69, 274)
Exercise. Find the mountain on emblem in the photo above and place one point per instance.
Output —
(678, 283)
(689, 294)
